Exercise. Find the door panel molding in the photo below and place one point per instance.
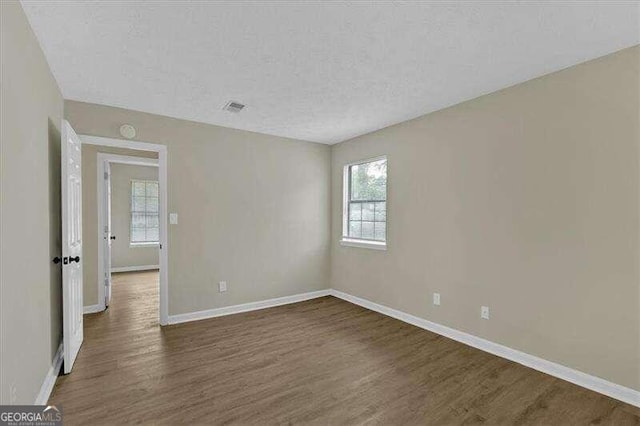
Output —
(72, 256)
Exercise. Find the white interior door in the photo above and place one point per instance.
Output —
(108, 236)
(71, 244)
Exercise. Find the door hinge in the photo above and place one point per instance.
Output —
(106, 175)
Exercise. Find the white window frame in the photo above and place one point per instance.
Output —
(345, 240)
(141, 244)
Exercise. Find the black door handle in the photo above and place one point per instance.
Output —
(74, 259)
(57, 260)
(113, 237)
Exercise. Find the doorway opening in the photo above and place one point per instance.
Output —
(132, 201)
(130, 207)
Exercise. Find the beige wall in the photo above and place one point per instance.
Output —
(122, 253)
(525, 200)
(90, 214)
(30, 284)
(253, 209)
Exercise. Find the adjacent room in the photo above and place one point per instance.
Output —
(308, 212)
(121, 205)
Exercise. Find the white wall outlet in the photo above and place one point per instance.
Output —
(173, 218)
(436, 299)
(484, 312)
(222, 286)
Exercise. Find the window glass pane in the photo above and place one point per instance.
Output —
(354, 211)
(138, 220)
(138, 188)
(152, 189)
(367, 211)
(355, 229)
(381, 212)
(144, 212)
(152, 221)
(367, 195)
(367, 230)
(369, 181)
(138, 235)
(380, 231)
(153, 234)
(152, 204)
(138, 204)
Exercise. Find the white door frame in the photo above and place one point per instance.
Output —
(162, 187)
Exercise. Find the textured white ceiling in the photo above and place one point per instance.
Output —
(317, 71)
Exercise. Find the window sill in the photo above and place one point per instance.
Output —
(143, 245)
(375, 245)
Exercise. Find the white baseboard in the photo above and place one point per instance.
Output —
(92, 309)
(246, 307)
(135, 268)
(50, 378)
(613, 390)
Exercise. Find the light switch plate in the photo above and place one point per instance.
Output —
(173, 218)
(222, 286)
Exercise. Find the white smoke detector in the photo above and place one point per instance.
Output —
(233, 106)
(128, 131)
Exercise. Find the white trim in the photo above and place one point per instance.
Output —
(128, 159)
(367, 160)
(135, 268)
(148, 244)
(101, 197)
(369, 244)
(345, 200)
(164, 223)
(50, 378)
(164, 238)
(596, 384)
(92, 309)
(121, 143)
(246, 307)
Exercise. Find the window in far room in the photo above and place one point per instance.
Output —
(145, 226)
(365, 204)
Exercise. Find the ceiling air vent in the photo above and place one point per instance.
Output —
(233, 106)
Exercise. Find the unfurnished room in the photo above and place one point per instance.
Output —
(290, 212)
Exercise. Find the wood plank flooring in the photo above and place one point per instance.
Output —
(323, 361)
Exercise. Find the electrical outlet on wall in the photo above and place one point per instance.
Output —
(484, 312)
(436, 299)
(222, 286)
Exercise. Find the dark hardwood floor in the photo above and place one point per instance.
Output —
(323, 361)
